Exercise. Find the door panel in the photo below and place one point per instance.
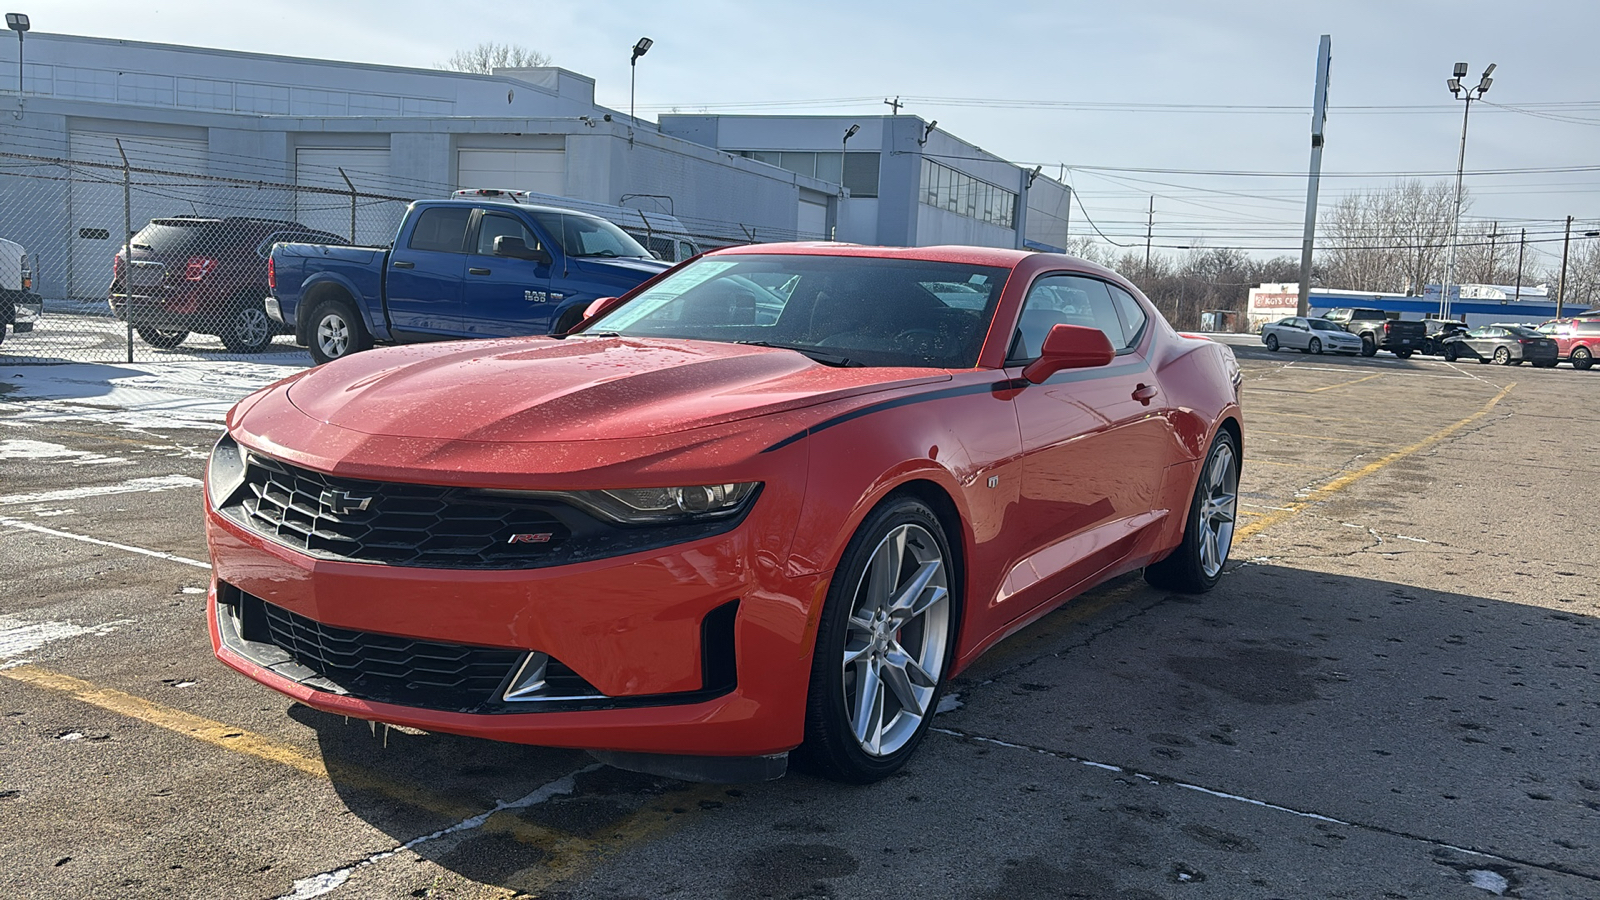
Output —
(1093, 455)
(503, 296)
(423, 285)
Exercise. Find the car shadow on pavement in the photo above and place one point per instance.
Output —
(1417, 723)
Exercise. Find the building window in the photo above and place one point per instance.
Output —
(945, 188)
(859, 175)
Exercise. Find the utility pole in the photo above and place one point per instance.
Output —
(894, 104)
(1494, 233)
(1319, 118)
(1148, 225)
(1522, 244)
(1561, 286)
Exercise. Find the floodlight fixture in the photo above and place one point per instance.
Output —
(1461, 70)
(640, 49)
(1454, 84)
(17, 22)
(1034, 174)
(927, 130)
(851, 132)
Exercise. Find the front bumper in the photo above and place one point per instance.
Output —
(632, 626)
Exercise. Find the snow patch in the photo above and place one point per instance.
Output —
(1493, 882)
(70, 736)
(948, 703)
(17, 448)
(19, 636)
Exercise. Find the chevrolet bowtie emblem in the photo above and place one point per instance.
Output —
(341, 502)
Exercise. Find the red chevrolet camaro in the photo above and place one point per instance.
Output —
(770, 501)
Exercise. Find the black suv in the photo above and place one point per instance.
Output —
(205, 275)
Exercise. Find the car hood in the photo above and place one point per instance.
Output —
(578, 389)
(624, 267)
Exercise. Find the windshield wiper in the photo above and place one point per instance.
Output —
(605, 254)
(827, 359)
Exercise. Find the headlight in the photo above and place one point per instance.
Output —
(225, 473)
(653, 506)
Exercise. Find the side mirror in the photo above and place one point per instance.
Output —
(1070, 347)
(604, 304)
(517, 248)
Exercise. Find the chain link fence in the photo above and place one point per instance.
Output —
(129, 251)
(107, 260)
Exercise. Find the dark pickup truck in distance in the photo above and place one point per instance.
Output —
(1379, 332)
(458, 269)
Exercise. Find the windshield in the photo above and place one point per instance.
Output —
(841, 310)
(1323, 325)
(581, 235)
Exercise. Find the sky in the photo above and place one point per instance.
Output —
(1124, 101)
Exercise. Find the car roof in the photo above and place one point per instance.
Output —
(982, 256)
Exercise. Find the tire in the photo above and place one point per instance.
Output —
(1502, 356)
(1196, 565)
(854, 738)
(1449, 353)
(1582, 359)
(157, 337)
(1369, 347)
(1272, 343)
(1404, 354)
(1483, 361)
(336, 332)
(1315, 347)
(248, 329)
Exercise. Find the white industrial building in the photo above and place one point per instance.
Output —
(218, 132)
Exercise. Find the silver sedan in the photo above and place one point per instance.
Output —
(1309, 336)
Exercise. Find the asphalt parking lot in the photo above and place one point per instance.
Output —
(1395, 692)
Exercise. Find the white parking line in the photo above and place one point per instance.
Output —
(7, 521)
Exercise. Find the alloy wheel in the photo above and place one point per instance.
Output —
(897, 632)
(1218, 510)
(333, 335)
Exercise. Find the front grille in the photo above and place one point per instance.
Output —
(391, 669)
(398, 524)
(395, 524)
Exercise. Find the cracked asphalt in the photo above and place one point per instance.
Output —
(1394, 693)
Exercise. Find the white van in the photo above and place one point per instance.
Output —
(661, 234)
(20, 307)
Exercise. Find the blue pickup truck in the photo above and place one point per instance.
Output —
(458, 269)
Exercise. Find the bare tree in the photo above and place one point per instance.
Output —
(488, 56)
(1583, 277)
(1390, 240)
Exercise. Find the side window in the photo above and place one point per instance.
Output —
(441, 229)
(1064, 300)
(492, 225)
(1134, 318)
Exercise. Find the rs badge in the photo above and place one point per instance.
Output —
(541, 538)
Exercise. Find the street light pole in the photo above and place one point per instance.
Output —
(844, 145)
(639, 49)
(18, 22)
(1468, 94)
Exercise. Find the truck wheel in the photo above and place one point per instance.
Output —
(163, 339)
(248, 329)
(1582, 358)
(570, 319)
(336, 331)
(1272, 343)
(884, 645)
(1369, 347)
(1196, 565)
(1502, 356)
(1404, 354)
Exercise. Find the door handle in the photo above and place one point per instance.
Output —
(1144, 393)
(402, 264)
(477, 271)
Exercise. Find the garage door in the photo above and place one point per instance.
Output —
(813, 224)
(543, 171)
(368, 170)
(95, 208)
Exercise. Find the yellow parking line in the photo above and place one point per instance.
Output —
(568, 854)
(1343, 384)
(1294, 507)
